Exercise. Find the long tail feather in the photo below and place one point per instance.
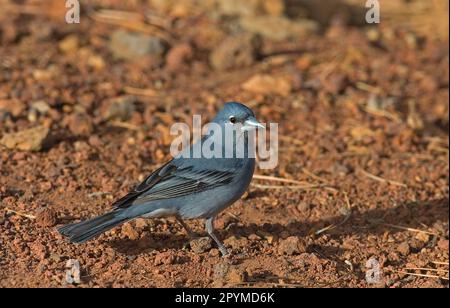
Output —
(86, 230)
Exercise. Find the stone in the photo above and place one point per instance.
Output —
(80, 124)
(291, 246)
(165, 258)
(32, 139)
(119, 108)
(274, 7)
(237, 275)
(129, 231)
(279, 27)
(46, 218)
(423, 237)
(129, 45)
(404, 248)
(201, 244)
(443, 244)
(69, 44)
(41, 107)
(220, 271)
(235, 52)
(12, 106)
(239, 7)
(267, 84)
(38, 250)
(235, 242)
(141, 223)
(178, 56)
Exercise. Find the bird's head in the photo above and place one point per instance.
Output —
(234, 113)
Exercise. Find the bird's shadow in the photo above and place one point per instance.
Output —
(149, 242)
(375, 222)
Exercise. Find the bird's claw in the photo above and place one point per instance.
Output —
(224, 251)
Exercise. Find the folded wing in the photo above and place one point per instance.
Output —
(171, 181)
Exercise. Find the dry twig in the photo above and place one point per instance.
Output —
(29, 216)
(347, 217)
(380, 179)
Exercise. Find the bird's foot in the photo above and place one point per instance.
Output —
(224, 251)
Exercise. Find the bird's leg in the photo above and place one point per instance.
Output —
(191, 234)
(209, 225)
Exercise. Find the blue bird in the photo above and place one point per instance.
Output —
(187, 187)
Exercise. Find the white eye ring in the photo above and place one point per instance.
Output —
(232, 119)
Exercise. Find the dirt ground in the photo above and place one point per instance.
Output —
(363, 142)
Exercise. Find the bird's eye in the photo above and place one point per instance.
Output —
(232, 120)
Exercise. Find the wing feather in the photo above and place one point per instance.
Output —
(171, 181)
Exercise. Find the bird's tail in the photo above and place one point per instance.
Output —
(86, 230)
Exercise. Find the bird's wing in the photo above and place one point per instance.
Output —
(149, 182)
(171, 181)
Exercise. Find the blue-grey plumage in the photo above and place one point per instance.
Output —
(187, 187)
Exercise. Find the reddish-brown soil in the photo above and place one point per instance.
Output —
(363, 118)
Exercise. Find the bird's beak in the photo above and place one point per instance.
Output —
(250, 124)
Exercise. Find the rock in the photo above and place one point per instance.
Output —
(291, 246)
(423, 237)
(81, 146)
(80, 124)
(95, 141)
(214, 252)
(279, 27)
(304, 206)
(178, 56)
(32, 139)
(335, 83)
(41, 107)
(42, 33)
(443, 244)
(404, 248)
(39, 250)
(274, 7)
(304, 62)
(55, 257)
(129, 45)
(267, 84)
(339, 169)
(201, 245)
(32, 115)
(12, 106)
(379, 104)
(416, 244)
(235, 242)
(129, 231)
(239, 7)
(166, 258)
(220, 271)
(96, 61)
(265, 235)
(69, 44)
(429, 83)
(119, 108)
(235, 52)
(9, 32)
(237, 275)
(46, 74)
(46, 218)
(226, 273)
(253, 237)
(141, 223)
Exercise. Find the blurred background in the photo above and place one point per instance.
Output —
(86, 108)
